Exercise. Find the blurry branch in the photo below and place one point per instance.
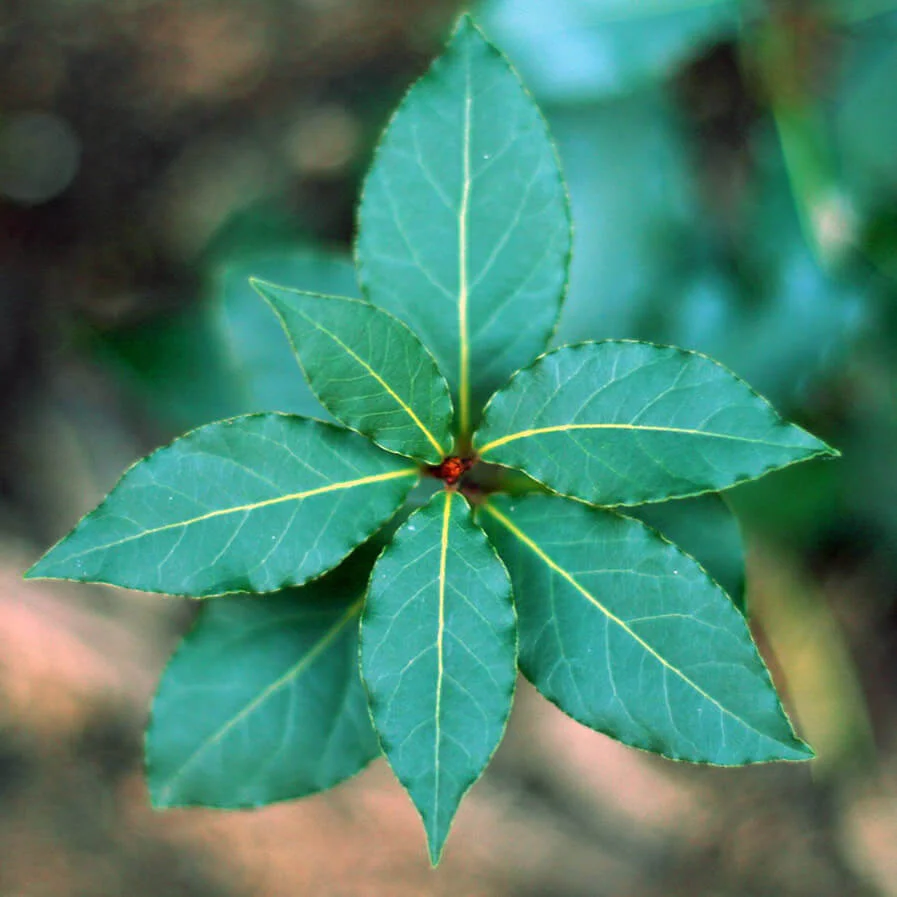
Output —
(790, 56)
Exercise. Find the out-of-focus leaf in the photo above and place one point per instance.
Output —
(650, 261)
(583, 50)
(869, 479)
(252, 504)
(263, 700)
(767, 308)
(853, 12)
(825, 211)
(879, 240)
(864, 121)
(794, 505)
(863, 130)
(177, 368)
(463, 229)
(633, 196)
(228, 355)
(798, 318)
(260, 354)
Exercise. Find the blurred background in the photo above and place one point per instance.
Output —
(733, 174)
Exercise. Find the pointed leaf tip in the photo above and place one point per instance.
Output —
(629, 636)
(463, 227)
(624, 423)
(227, 508)
(465, 20)
(440, 665)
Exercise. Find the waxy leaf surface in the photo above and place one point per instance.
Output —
(369, 370)
(263, 701)
(438, 655)
(621, 423)
(252, 504)
(630, 637)
(705, 528)
(464, 229)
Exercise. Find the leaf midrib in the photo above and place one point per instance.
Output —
(392, 393)
(564, 428)
(440, 660)
(254, 506)
(463, 286)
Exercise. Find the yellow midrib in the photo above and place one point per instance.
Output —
(440, 666)
(291, 674)
(395, 396)
(463, 285)
(534, 547)
(565, 428)
(221, 512)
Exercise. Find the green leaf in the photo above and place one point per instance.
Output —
(369, 370)
(252, 504)
(705, 528)
(464, 229)
(621, 423)
(263, 701)
(630, 637)
(438, 656)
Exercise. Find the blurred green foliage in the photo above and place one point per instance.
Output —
(733, 174)
(228, 355)
(732, 167)
(579, 51)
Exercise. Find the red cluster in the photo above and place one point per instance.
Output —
(452, 469)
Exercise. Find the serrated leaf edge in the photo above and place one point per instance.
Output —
(824, 451)
(535, 548)
(436, 856)
(466, 24)
(29, 573)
